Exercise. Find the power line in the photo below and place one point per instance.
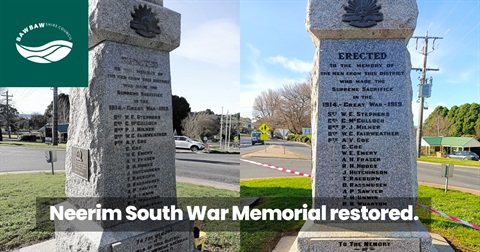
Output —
(424, 88)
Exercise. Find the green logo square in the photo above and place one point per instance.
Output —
(43, 43)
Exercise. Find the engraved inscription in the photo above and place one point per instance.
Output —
(366, 244)
(159, 241)
(357, 117)
(138, 118)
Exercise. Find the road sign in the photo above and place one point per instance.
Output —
(284, 132)
(263, 136)
(264, 128)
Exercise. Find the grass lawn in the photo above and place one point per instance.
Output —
(282, 193)
(462, 205)
(5, 136)
(450, 161)
(16, 143)
(18, 193)
(293, 192)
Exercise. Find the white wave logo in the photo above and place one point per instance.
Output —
(48, 53)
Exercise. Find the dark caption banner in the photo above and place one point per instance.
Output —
(43, 43)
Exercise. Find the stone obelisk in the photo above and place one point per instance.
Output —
(121, 149)
(363, 145)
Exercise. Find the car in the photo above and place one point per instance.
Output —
(182, 142)
(277, 137)
(465, 155)
(256, 138)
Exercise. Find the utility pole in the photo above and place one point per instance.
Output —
(55, 117)
(229, 131)
(226, 132)
(221, 129)
(424, 89)
(7, 112)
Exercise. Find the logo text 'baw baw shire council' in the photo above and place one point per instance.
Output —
(45, 46)
(58, 47)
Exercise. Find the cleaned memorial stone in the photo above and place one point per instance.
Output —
(121, 151)
(363, 145)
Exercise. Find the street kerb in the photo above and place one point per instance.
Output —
(275, 151)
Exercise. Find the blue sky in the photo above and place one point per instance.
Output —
(232, 50)
(276, 49)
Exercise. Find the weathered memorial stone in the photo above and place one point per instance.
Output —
(363, 139)
(121, 149)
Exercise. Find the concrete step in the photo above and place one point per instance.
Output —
(289, 244)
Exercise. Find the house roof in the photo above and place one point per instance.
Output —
(62, 127)
(451, 141)
(432, 140)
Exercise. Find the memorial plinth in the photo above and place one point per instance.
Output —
(363, 145)
(121, 150)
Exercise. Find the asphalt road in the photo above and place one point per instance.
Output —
(211, 168)
(214, 169)
(464, 177)
(16, 159)
(226, 169)
(300, 148)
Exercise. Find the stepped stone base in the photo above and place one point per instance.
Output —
(88, 236)
(413, 237)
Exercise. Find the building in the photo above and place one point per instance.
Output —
(440, 146)
(45, 133)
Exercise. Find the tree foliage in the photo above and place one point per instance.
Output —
(63, 109)
(457, 121)
(287, 107)
(180, 110)
(437, 124)
(35, 122)
(8, 114)
(201, 124)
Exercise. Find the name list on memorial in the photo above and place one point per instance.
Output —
(358, 109)
(139, 118)
(160, 241)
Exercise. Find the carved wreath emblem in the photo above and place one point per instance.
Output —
(362, 13)
(145, 22)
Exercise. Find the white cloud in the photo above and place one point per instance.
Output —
(215, 42)
(294, 64)
(261, 78)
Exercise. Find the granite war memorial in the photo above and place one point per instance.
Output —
(363, 145)
(121, 150)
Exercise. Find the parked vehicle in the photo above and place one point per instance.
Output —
(465, 155)
(182, 142)
(256, 138)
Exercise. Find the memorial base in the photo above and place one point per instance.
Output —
(346, 237)
(88, 236)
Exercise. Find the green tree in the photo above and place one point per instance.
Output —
(180, 110)
(477, 128)
(470, 119)
(8, 114)
(463, 120)
(437, 124)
